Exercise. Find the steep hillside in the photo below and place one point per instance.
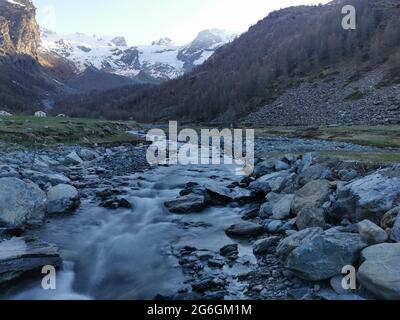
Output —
(288, 48)
(25, 84)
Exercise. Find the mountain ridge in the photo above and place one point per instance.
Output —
(289, 47)
(160, 61)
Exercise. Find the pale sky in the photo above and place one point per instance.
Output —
(143, 21)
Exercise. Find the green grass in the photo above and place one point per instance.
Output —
(30, 131)
(387, 138)
(375, 136)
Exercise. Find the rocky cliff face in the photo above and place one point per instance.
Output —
(19, 31)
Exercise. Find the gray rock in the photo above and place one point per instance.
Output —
(306, 162)
(315, 172)
(280, 165)
(8, 172)
(187, 204)
(346, 175)
(274, 226)
(87, 154)
(264, 167)
(21, 203)
(263, 245)
(266, 209)
(230, 251)
(224, 194)
(389, 219)
(62, 198)
(325, 255)
(337, 285)
(313, 194)
(287, 245)
(380, 273)
(373, 195)
(395, 232)
(245, 229)
(330, 295)
(310, 217)
(73, 158)
(281, 210)
(209, 284)
(45, 178)
(371, 233)
(20, 257)
(274, 182)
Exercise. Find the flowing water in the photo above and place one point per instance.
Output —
(128, 253)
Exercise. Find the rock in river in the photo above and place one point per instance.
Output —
(62, 198)
(264, 245)
(21, 203)
(245, 229)
(325, 255)
(380, 273)
(187, 204)
(21, 256)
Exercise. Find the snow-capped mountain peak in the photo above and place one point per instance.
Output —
(164, 42)
(162, 60)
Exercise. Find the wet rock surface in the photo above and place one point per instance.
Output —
(285, 232)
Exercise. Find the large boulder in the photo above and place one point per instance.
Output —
(324, 256)
(313, 194)
(20, 257)
(62, 198)
(287, 245)
(310, 217)
(245, 229)
(187, 204)
(372, 196)
(380, 272)
(371, 233)
(21, 203)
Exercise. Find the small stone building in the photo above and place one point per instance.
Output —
(4, 113)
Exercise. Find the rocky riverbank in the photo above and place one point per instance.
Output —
(286, 232)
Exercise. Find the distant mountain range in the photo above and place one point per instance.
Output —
(297, 66)
(38, 66)
(160, 61)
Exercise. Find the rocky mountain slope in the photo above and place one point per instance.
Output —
(19, 32)
(37, 67)
(298, 65)
(160, 61)
(27, 78)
